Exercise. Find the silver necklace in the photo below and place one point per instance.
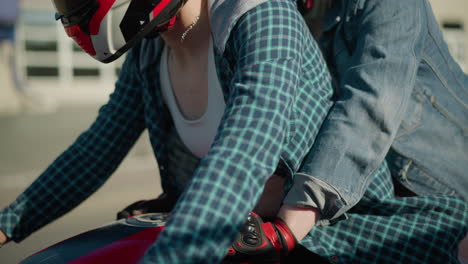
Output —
(182, 38)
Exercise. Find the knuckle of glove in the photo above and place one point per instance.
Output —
(258, 241)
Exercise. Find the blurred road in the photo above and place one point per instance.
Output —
(30, 141)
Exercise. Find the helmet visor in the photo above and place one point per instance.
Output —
(72, 7)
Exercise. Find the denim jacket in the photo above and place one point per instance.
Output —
(400, 96)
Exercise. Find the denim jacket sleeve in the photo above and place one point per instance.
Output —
(84, 166)
(376, 57)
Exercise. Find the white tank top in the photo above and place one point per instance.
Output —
(197, 135)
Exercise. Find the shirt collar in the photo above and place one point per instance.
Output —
(224, 14)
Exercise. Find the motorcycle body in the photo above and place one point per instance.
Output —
(122, 241)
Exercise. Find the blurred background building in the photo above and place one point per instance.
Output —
(46, 53)
(73, 86)
(47, 56)
(453, 20)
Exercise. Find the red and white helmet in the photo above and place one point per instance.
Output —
(106, 29)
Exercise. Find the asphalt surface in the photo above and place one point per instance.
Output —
(29, 142)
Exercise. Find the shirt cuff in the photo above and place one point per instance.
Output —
(10, 219)
(308, 191)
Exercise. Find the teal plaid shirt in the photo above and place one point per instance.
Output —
(277, 92)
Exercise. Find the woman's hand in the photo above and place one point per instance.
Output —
(3, 238)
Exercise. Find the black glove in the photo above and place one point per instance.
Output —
(162, 204)
(261, 242)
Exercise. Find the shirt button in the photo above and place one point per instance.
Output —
(334, 259)
(161, 167)
(338, 19)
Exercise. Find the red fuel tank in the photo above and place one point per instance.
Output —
(121, 242)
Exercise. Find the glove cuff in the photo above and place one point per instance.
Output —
(289, 240)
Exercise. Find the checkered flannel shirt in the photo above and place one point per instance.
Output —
(277, 92)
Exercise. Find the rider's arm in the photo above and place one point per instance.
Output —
(266, 46)
(85, 165)
(299, 219)
(373, 95)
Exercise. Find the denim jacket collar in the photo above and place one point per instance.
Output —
(342, 10)
(224, 14)
(334, 15)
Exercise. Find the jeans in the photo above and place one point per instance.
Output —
(400, 97)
